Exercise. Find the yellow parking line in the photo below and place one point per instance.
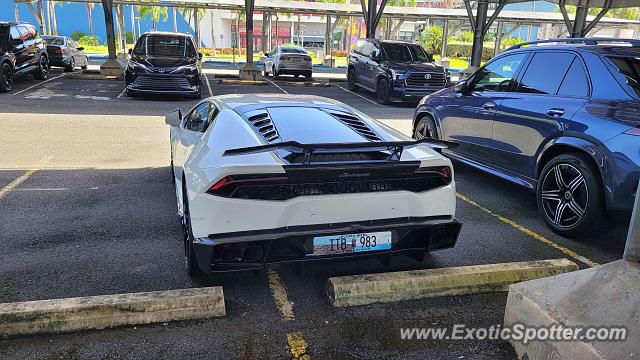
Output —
(297, 346)
(531, 233)
(15, 183)
(280, 295)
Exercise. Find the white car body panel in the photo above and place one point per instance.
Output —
(197, 158)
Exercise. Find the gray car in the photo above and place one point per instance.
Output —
(65, 52)
(291, 60)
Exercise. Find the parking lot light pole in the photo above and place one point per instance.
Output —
(632, 249)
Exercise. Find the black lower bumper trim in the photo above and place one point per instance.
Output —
(226, 252)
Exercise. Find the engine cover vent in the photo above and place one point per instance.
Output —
(261, 121)
(357, 125)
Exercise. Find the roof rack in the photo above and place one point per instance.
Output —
(586, 41)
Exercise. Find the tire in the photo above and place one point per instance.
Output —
(351, 80)
(6, 77)
(43, 68)
(425, 128)
(131, 94)
(274, 72)
(570, 196)
(190, 260)
(86, 64)
(382, 91)
(72, 65)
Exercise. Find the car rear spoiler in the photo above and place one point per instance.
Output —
(395, 147)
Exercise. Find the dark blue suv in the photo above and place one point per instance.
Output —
(560, 117)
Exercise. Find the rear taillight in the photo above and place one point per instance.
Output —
(633, 131)
(284, 58)
(229, 184)
(443, 172)
(57, 51)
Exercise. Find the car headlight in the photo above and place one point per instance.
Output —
(396, 74)
(185, 69)
(137, 66)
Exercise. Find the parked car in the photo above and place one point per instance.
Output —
(289, 60)
(64, 52)
(22, 52)
(164, 63)
(559, 118)
(394, 70)
(268, 178)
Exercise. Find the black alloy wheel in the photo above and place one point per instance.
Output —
(424, 129)
(43, 68)
(72, 65)
(570, 196)
(351, 80)
(6, 77)
(382, 91)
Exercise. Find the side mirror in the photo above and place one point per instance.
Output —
(462, 86)
(266, 54)
(80, 48)
(173, 118)
(130, 51)
(199, 56)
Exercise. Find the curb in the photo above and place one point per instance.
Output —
(91, 76)
(307, 84)
(106, 311)
(239, 82)
(419, 284)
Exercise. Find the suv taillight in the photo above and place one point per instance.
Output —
(57, 51)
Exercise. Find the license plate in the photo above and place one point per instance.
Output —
(351, 243)
(294, 60)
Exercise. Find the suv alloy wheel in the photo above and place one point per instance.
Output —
(351, 80)
(6, 77)
(43, 68)
(382, 91)
(570, 196)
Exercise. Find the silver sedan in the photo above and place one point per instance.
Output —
(291, 60)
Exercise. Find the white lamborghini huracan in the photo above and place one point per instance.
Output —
(266, 178)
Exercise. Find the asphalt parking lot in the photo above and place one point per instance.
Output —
(97, 215)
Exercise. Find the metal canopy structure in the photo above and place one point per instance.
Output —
(578, 27)
(480, 18)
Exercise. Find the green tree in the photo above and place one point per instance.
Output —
(621, 13)
(465, 37)
(157, 13)
(511, 41)
(196, 15)
(431, 38)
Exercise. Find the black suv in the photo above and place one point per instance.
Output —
(164, 63)
(394, 70)
(22, 51)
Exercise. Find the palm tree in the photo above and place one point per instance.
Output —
(196, 14)
(90, 15)
(157, 13)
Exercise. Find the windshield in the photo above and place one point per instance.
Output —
(169, 46)
(628, 72)
(293, 50)
(53, 40)
(405, 53)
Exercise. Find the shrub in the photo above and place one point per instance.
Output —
(465, 36)
(431, 39)
(89, 41)
(77, 35)
(463, 51)
(129, 38)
